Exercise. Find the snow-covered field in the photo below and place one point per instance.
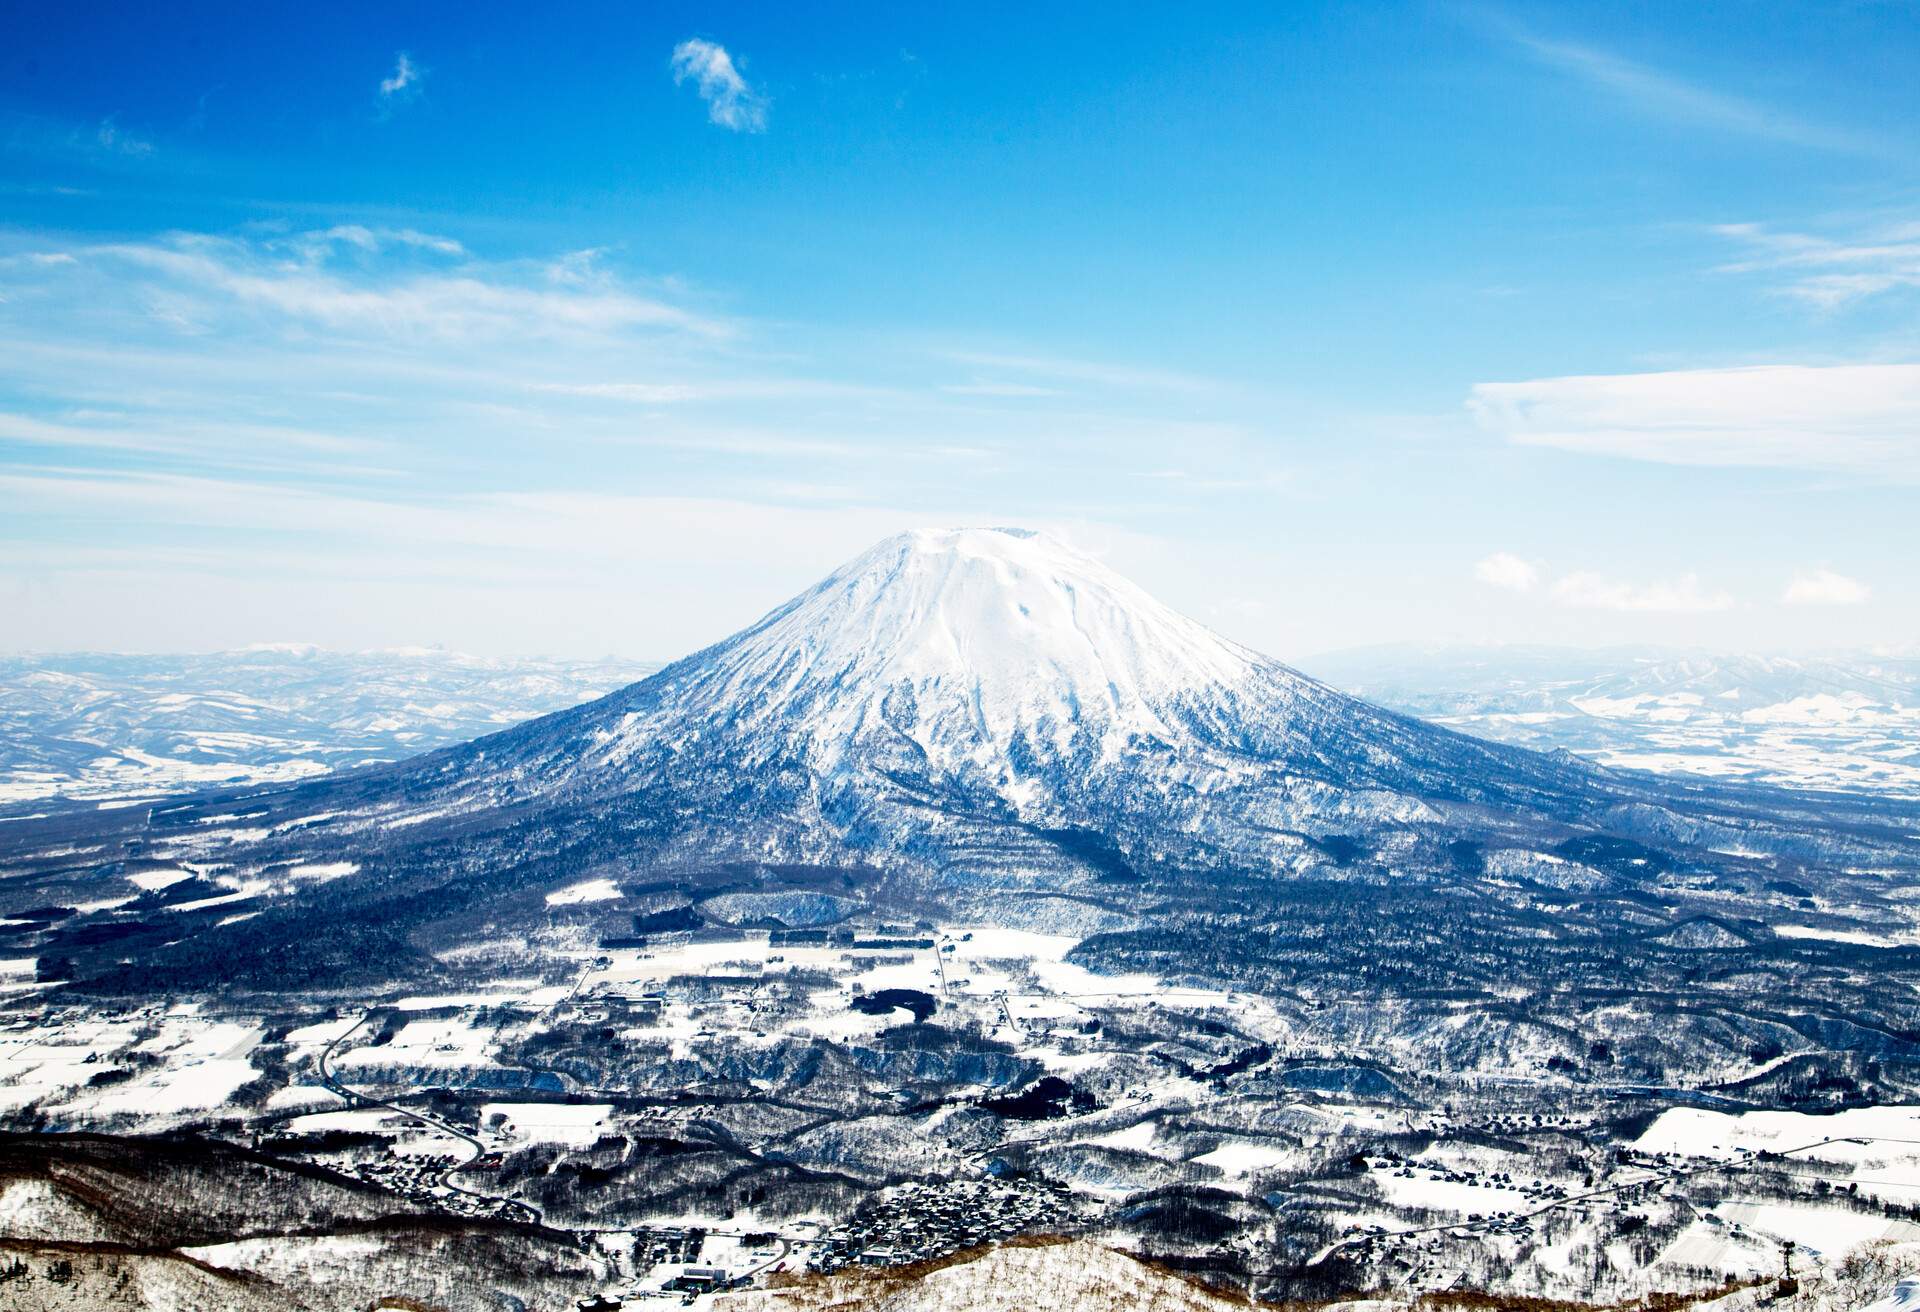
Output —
(575, 1125)
(453, 1042)
(1876, 1150)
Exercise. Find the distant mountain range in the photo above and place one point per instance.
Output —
(1841, 721)
(98, 727)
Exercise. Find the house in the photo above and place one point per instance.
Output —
(700, 1280)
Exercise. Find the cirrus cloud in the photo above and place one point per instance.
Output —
(1829, 272)
(197, 281)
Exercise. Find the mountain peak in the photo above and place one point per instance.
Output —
(998, 616)
(980, 647)
(1019, 547)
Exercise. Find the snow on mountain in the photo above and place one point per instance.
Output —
(998, 635)
(997, 676)
(980, 647)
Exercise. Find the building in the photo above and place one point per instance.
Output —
(700, 1280)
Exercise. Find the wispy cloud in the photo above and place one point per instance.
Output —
(1587, 590)
(119, 432)
(197, 280)
(1660, 94)
(403, 84)
(1834, 417)
(731, 103)
(112, 137)
(314, 245)
(1824, 587)
(102, 143)
(714, 389)
(1830, 272)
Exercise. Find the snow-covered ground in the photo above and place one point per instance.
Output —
(1876, 1150)
(575, 1125)
(593, 890)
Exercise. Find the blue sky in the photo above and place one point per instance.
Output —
(605, 328)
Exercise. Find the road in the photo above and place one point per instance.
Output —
(513, 1208)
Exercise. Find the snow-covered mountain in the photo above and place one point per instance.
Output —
(950, 719)
(946, 679)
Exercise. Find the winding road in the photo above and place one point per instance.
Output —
(512, 1208)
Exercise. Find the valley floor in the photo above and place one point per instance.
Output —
(690, 1114)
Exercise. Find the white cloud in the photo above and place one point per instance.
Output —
(229, 441)
(731, 103)
(1586, 590)
(1505, 570)
(1590, 590)
(638, 393)
(404, 82)
(1854, 417)
(1823, 587)
(1828, 272)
